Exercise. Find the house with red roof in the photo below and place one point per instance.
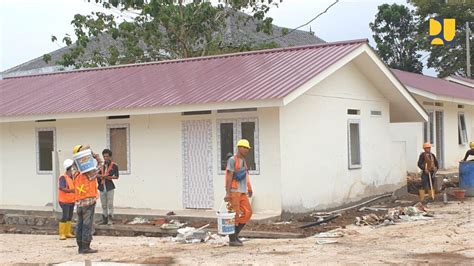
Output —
(450, 106)
(318, 118)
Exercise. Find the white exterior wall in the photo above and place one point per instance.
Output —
(155, 180)
(412, 133)
(314, 145)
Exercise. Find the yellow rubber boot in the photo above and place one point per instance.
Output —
(69, 232)
(62, 230)
(421, 194)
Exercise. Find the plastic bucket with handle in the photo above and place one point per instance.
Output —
(225, 222)
(84, 161)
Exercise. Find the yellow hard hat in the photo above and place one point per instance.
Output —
(426, 145)
(471, 144)
(243, 143)
(76, 149)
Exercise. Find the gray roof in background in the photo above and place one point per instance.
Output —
(235, 33)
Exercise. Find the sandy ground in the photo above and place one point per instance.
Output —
(446, 239)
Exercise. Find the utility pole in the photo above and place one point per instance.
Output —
(468, 50)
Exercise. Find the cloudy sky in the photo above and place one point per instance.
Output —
(27, 25)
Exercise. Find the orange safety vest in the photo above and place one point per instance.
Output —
(235, 183)
(105, 172)
(85, 188)
(65, 197)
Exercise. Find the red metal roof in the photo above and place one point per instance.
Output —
(259, 75)
(465, 79)
(434, 85)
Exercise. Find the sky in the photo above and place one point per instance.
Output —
(26, 26)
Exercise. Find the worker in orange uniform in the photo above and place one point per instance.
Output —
(86, 198)
(428, 164)
(66, 198)
(237, 185)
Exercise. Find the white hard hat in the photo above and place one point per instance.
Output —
(67, 163)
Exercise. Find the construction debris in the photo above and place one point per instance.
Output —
(284, 222)
(192, 235)
(329, 235)
(325, 241)
(410, 213)
(172, 225)
(139, 220)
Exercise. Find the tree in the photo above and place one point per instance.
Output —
(395, 31)
(161, 29)
(446, 59)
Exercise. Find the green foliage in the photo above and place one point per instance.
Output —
(446, 59)
(395, 32)
(46, 58)
(164, 29)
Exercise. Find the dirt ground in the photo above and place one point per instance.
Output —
(446, 239)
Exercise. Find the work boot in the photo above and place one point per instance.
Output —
(238, 228)
(69, 232)
(79, 246)
(105, 220)
(233, 241)
(86, 248)
(421, 194)
(62, 231)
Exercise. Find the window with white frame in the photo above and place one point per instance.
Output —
(118, 141)
(462, 132)
(229, 132)
(45, 145)
(428, 132)
(353, 137)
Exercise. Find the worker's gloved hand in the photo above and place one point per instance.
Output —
(227, 198)
(250, 193)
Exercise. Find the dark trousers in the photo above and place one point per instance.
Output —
(425, 179)
(85, 219)
(68, 211)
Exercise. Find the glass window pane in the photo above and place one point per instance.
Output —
(354, 144)
(227, 143)
(46, 146)
(118, 145)
(248, 133)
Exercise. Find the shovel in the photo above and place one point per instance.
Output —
(431, 186)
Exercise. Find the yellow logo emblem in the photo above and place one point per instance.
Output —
(442, 31)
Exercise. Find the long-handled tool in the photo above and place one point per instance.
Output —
(431, 186)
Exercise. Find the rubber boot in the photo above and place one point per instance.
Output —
(109, 220)
(62, 231)
(233, 241)
(69, 232)
(421, 194)
(86, 248)
(238, 228)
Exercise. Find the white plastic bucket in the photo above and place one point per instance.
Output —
(225, 222)
(84, 161)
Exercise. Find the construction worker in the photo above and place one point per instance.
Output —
(66, 198)
(86, 197)
(237, 185)
(108, 172)
(428, 164)
(470, 152)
